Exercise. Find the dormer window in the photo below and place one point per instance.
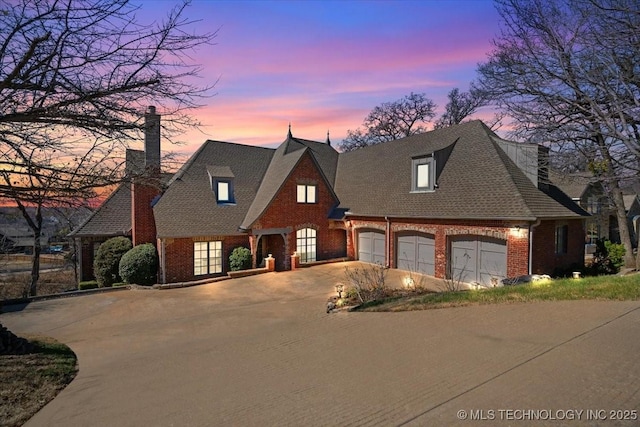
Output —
(307, 193)
(222, 184)
(422, 174)
(223, 193)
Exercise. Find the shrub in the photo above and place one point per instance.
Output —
(105, 265)
(240, 259)
(367, 282)
(89, 284)
(140, 265)
(608, 257)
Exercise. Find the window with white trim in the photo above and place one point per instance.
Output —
(422, 174)
(307, 193)
(207, 258)
(306, 244)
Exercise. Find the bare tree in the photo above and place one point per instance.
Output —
(75, 77)
(390, 121)
(460, 106)
(558, 71)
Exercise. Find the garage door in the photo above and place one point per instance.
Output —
(371, 247)
(416, 253)
(478, 259)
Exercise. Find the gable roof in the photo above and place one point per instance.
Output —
(573, 184)
(477, 181)
(112, 218)
(284, 160)
(189, 208)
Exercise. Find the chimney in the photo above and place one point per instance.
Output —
(152, 140)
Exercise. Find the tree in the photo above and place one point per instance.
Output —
(75, 77)
(461, 105)
(390, 121)
(566, 75)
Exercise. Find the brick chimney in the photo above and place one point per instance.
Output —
(147, 187)
(152, 140)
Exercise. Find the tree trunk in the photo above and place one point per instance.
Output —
(612, 185)
(36, 226)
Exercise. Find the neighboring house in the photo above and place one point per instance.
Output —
(456, 202)
(20, 239)
(632, 204)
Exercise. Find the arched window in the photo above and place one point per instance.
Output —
(306, 244)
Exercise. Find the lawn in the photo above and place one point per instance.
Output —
(594, 288)
(30, 381)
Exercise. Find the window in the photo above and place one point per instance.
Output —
(562, 239)
(306, 244)
(207, 258)
(422, 174)
(306, 193)
(593, 205)
(224, 191)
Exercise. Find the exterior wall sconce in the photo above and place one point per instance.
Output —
(339, 289)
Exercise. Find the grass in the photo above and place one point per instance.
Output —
(16, 285)
(617, 288)
(30, 381)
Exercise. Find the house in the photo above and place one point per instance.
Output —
(632, 204)
(457, 202)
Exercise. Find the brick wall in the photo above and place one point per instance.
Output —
(285, 211)
(178, 256)
(142, 219)
(517, 241)
(545, 258)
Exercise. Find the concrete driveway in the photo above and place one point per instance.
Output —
(262, 351)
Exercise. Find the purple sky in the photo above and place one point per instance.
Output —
(323, 65)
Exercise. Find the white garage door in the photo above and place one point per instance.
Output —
(371, 247)
(416, 253)
(478, 259)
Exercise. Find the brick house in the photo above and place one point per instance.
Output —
(457, 202)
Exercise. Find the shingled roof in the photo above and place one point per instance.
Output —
(477, 181)
(284, 160)
(189, 207)
(112, 218)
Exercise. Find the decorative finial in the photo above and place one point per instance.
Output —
(289, 134)
(328, 140)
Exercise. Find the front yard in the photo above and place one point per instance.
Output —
(595, 288)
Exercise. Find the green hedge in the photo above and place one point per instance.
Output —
(89, 284)
(140, 265)
(240, 259)
(105, 265)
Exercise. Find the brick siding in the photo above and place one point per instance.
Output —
(284, 211)
(178, 256)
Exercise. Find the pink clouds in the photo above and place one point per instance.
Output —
(324, 65)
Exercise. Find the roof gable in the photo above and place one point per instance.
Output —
(284, 161)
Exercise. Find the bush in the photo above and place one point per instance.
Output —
(240, 259)
(608, 257)
(140, 265)
(368, 282)
(89, 284)
(107, 261)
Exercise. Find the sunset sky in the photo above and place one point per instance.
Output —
(323, 65)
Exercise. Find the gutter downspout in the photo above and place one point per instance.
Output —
(388, 235)
(163, 271)
(531, 227)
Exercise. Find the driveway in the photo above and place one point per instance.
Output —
(262, 351)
